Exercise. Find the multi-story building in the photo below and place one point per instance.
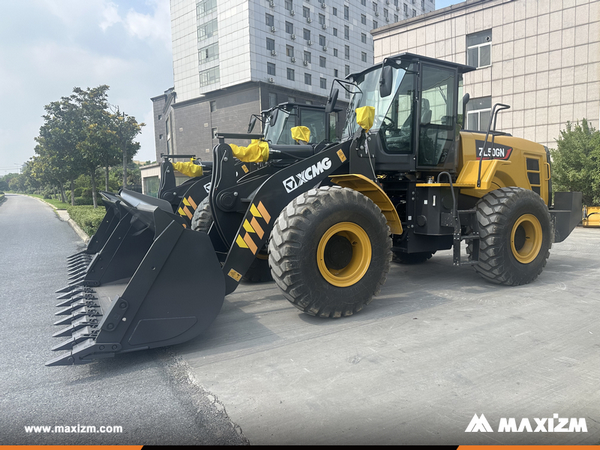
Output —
(540, 57)
(234, 58)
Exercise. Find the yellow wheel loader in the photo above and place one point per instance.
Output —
(405, 180)
(591, 216)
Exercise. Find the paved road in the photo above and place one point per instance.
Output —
(149, 394)
(438, 345)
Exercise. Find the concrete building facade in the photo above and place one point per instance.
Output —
(540, 57)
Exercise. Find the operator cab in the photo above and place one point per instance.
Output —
(279, 120)
(418, 112)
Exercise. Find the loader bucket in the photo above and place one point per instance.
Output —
(114, 213)
(173, 293)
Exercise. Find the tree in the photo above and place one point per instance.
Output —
(576, 161)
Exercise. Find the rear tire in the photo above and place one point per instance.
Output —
(330, 251)
(515, 236)
(259, 271)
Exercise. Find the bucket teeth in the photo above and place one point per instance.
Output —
(77, 325)
(75, 298)
(77, 337)
(76, 290)
(90, 303)
(81, 312)
(72, 357)
(77, 268)
(71, 287)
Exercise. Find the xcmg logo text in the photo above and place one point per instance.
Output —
(294, 182)
(554, 424)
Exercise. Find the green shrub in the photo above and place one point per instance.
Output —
(80, 201)
(87, 217)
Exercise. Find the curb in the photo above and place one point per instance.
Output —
(63, 215)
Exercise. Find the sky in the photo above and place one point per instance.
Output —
(49, 47)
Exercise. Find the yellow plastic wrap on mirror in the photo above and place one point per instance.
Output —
(365, 116)
(188, 168)
(301, 133)
(257, 151)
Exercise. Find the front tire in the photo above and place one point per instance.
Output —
(330, 251)
(515, 236)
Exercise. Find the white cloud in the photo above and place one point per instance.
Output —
(51, 46)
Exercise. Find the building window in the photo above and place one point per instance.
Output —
(363, 2)
(395, 17)
(396, 3)
(321, 19)
(346, 51)
(363, 19)
(271, 69)
(335, 11)
(363, 57)
(308, 79)
(322, 41)
(306, 34)
(335, 73)
(208, 53)
(375, 24)
(423, 4)
(290, 74)
(374, 8)
(209, 76)
(307, 57)
(386, 14)
(306, 12)
(335, 52)
(289, 4)
(346, 70)
(323, 83)
(207, 30)
(272, 99)
(203, 7)
(269, 20)
(414, 13)
(363, 38)
(479, 49)
(335, 31)
(346, 32)
(406, 9)
(289, 51)
(213, 106)
(478, 113)
(289, 27)
(346, 12)
(322, 61)
(270, 44)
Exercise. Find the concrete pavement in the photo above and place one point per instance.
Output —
(436, 347)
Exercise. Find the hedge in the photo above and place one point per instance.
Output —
(87, 217)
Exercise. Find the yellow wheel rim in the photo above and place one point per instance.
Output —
(347, 269)
(526, 238)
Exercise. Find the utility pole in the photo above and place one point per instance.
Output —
(123, 149)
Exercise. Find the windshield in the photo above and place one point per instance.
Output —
(367, 94)
(280, 132)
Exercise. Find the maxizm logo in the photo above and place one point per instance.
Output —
(295, 181)
(553, 424)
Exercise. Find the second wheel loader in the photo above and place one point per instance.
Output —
(405, 179)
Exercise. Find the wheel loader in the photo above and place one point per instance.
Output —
(406, 179)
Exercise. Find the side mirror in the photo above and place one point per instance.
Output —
(251, 124)
(385, 81)
(331, 101)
